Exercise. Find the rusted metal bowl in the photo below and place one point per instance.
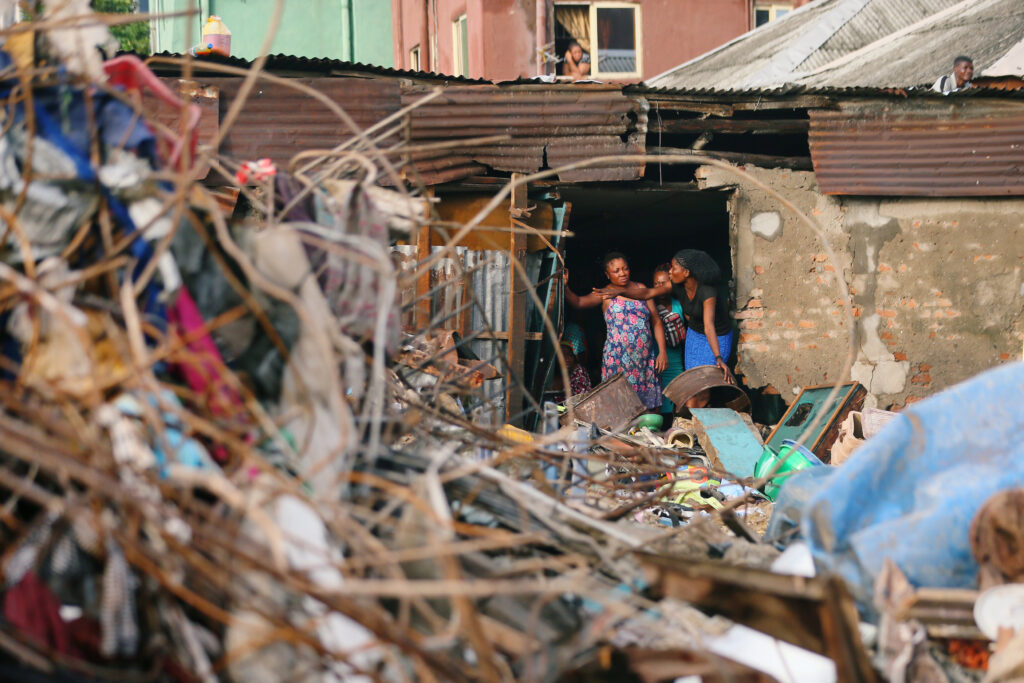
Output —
(695, 380)
(612, 404)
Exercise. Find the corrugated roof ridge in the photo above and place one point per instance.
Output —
(279, 60)
(771, 26)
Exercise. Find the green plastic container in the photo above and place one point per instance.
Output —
(794, 458)
(652, 421)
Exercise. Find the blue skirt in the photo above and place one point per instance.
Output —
(698, 350)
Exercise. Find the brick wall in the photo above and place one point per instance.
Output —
(935, 285)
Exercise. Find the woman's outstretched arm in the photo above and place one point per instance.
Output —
(633, 290)
(586, 301)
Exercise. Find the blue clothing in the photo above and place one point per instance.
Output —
(675, 363)
(698, 350)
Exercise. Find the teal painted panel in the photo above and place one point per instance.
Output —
(735, 445)
(373, 37)
(308, 28)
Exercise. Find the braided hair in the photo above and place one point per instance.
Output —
(700, 265)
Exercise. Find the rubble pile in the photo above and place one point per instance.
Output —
(212, 466)
(223, 457)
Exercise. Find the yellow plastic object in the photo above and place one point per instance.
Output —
(515, 434)
(216, 36)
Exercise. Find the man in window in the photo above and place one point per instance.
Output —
(960, 79)
(576, 62)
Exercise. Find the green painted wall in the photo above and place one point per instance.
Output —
(309, 28)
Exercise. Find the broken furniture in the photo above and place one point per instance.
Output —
(812, 407)
(813, 613)
(730, 441)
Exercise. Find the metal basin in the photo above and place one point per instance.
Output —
(695, 380)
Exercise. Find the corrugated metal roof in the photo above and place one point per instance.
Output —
(877, 19)
(985, 30)
(879, 45)
(549, 125)
(278, 121)
(948, 154)
(314, 65)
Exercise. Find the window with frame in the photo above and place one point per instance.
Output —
(765, 12)
(460, 47)
(414, 59)
(615, 37)
(608, 32)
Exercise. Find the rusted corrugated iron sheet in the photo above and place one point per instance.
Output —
(918, 154)
(548, 126)
(278, 121)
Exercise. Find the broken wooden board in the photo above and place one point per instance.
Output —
(729, 440)
(815, 613)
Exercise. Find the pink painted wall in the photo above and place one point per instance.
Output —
(502, 38)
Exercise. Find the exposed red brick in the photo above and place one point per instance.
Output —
(744, 338)
(921, 379)
(820, 258)
(924, 367)
(884, 268)
(759, 270)
(754, 303)
(899, 356)
(1004, 356)
(886, 335)
(751, 324)
(806, 324)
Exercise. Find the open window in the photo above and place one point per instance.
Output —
(460, 47)
(414, 59)
(608, 32)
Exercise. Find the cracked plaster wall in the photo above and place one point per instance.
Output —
(936, 286)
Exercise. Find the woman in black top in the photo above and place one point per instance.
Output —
(709, 336)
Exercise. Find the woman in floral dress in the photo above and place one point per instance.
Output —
(633, 329)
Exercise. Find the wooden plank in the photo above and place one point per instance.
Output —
(796, 102)
(501, 335)
(423, 282)
(762, 160)
(813, 613)
(458, 209)
(517, 308)
(731, 126)
(659, 104)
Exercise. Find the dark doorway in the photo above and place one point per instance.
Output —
(647, 223)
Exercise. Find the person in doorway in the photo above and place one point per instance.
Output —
(960, 79)
(671, 313)
(576, 62)
(629, 347)
(709, 337)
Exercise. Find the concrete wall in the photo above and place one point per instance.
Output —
(936, 286)
(502, 33)
(352, 30)
(501, 36)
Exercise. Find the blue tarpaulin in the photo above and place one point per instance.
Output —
(910, 492)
